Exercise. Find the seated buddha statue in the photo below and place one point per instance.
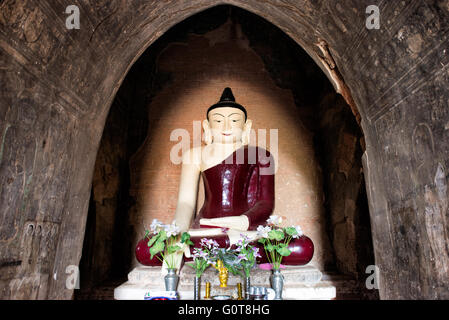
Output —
(238, 182)
(238, 178)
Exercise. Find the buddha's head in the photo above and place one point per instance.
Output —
(227, 121)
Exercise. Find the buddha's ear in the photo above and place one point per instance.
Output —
(246, 134)
(207, 132)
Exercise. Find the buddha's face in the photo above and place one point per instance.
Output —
(226, 124)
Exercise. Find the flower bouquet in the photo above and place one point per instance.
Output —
(247, 255)
(164, 240)
(202, 256)
(202, 260)
(275, 240)
(229, 258)
(222, 259)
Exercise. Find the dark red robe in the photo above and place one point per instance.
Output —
(242, 184)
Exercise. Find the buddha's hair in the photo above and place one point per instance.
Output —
(227, 100)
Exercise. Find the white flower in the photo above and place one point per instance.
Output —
(171, 229)
(242, 257)
(263, 231)
(155, 226)
(243, 242)
(274, 220)
(199, 254)
(299, 231)
(256, 253)
(211, 244)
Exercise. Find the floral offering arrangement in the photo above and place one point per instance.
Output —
(243, 257)
(229, 258)
(164, 240)
(246, 255)
(276, 239)
(202, 257)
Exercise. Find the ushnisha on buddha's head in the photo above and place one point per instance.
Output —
(227, 121)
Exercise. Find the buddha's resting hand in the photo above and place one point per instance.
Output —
(240, 223)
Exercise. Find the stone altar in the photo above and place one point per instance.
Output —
(300, 283)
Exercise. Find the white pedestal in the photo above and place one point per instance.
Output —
(300, 283)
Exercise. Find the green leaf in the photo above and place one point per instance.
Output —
(291, 231)
(283, 251)
(173, 249)
(270, 247)
(185, 237)
(156, 248)
(262, 240)
(152, 240)
(162, 235)
(276, 235)
(234, 270)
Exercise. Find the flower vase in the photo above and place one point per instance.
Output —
(196, 288)
(247, 286)
(171, 280)
(277, 283)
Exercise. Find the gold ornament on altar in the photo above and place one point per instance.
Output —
(207, 296)
(222, 274)
(239, 292)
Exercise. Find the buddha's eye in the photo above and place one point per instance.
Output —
(217, 120)
(235, 120)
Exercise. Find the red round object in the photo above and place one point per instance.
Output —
(302, 250)
(143, 254)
